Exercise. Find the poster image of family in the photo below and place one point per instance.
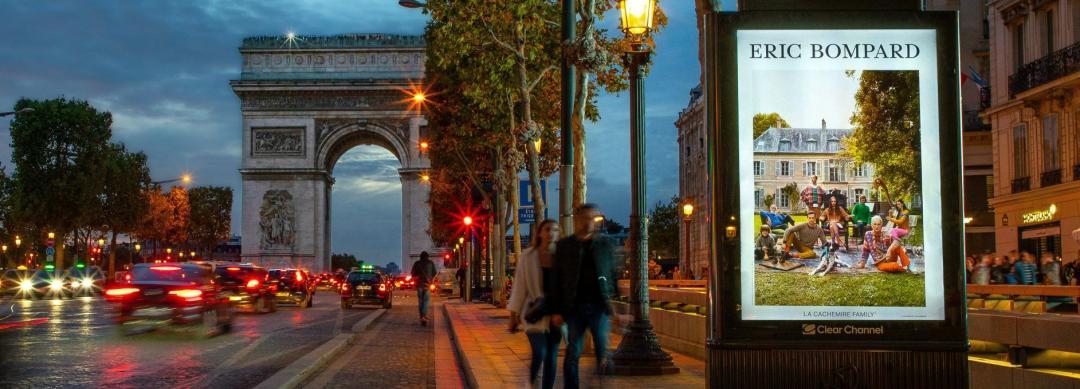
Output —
(838, 208)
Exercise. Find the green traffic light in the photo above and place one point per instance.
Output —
(80, 265)
(50, 267)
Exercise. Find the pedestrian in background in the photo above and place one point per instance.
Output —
(423, 271)
(535, 278)
(1026, 270)
(460, 275)
(980, 273)
(586, 271)
(1050, 270)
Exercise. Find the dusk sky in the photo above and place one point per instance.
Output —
(162, 68)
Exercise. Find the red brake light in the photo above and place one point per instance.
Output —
(408, 278)
(187, 293)
(165, 268)
(382, 287)
(299, 277)
(121, 292)
(232, 269)
(253, 284)
(127, 277)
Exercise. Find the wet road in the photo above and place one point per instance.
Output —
(74, 344)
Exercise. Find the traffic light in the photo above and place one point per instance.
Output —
(446, 260)
(467, 220)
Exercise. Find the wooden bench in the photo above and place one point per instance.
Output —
(1027, 298)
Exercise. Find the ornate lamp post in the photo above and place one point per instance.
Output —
(639, 352)
(688, 217)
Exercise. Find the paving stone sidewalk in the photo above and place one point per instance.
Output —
(495, 358)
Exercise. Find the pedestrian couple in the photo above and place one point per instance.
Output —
(564, 281)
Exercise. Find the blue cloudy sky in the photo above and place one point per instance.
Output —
(162, 68)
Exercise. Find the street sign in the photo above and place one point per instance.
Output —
(50, 251)
(526, 210)
(526, 215)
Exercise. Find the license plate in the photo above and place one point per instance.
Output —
(153, 292)
(364, 287)
(282, 294)
(152, 312)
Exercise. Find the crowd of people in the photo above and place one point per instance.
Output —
(781, 238)
(1022, 269)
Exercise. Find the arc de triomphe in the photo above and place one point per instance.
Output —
(305, 102)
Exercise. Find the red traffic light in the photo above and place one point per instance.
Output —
(446, 256)
(467, 220)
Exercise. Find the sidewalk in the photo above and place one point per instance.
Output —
(491, 357)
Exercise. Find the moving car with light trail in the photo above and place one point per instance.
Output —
(366, 287)
(292, 286)
(167, 294)
(446, 281)
(247, 286)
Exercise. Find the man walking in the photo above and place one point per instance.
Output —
(423, 271)
(585, 268)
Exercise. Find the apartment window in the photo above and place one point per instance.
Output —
(1051, 151)
(810, 168)
(811, 145)
(687, 151)
(701, 142)
(858, 193)
(785, 145)
(1018, 46)
(782, 200)
(759, 197)
(835, 171)
(759, 168)
(860, 170)
(1049, 31)
(1020, 151)
(783, 168)
(832, 145)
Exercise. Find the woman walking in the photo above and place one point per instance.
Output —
(534, 278)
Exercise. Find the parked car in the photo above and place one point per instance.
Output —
(446, 281)
(366, 287)
(167, 294)
(292, 286)
(84, 281)
(247, 286)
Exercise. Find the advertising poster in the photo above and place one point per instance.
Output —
(844, 179)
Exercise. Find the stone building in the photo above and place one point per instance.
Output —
(1035, 115)
(693, 185)
(792, 155)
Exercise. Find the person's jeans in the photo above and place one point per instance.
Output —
(594, 317)
(545, 351)
(424, 296)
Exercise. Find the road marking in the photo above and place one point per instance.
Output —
(25, 323)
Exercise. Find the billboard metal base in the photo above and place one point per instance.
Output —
(774, 368)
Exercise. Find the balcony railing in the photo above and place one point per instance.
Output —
(1051, 67)
(1049, 178)
(1022, 184)
(984, 98)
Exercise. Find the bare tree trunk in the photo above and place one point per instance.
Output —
(580, 101)
(515, 205)
(533, 161)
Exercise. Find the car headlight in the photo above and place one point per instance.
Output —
(56, 284)
(26, 285)
(86, 282)
(76, 284)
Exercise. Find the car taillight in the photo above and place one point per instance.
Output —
(252, 284)
(187, 294)
(408, 278)
(382, 287)
(120, 292)
(432, 287)
(299, 277)
(165, 268)
(127, 278)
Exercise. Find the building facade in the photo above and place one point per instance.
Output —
(785, 156)
(1035, 115)
(694, 186)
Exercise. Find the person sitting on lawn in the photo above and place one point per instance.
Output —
(778, 222)
(896, 259)
(874, 246)
(834, 216)
(900, 220)
(765, 246)
(803, 236)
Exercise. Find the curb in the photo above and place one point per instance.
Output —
(295, 373)
(470, 377)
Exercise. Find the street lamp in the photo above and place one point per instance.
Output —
(19, 112)
(412, 4)
(184, 178)
(688, 213)
(639, 353)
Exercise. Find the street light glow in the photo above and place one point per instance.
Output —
(52, 235)
(637, 16)
(424, 145)
(418, 97)
(186, 178)
(688, 209)
(425, 177)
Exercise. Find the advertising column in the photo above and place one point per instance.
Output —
(856, 285)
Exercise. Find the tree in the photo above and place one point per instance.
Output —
(343, 261)
(764, 121)
(393, 268)
(153, 225)
(769, 200)
(613, 227)
(664, 228)
(211, 216)
(887, 128)
(791, 192)
(596, 54)
(179, 216)
(59, 155)
(8, 224)
(122, 202)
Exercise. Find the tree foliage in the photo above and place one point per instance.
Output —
(122, 204)
(179, 216)
(887, 128)
(343, 261)
(211, 216)
(664, 228)
(791, 191)
(764, 121)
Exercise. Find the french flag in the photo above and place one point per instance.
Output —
(974, 76)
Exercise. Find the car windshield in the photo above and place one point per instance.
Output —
(356, 277)
(169, 273)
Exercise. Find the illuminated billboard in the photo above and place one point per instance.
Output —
(840, 132)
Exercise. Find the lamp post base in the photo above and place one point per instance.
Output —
(639, 353)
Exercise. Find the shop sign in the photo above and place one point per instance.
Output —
(1039, 216)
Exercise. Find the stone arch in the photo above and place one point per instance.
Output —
(344, 136)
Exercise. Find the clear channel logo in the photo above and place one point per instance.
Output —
(822, 329)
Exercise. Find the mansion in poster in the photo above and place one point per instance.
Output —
(783, 156)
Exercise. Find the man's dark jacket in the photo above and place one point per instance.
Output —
(424, 271)
(568, 254)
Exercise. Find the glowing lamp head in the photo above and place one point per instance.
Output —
(637, 16)
(101, 242)
(138, 247)
(688, 209)
(425, 177)
(418, 97)
(424, 145)
(52, 235)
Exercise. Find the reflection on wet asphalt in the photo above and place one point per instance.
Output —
(78, 346)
